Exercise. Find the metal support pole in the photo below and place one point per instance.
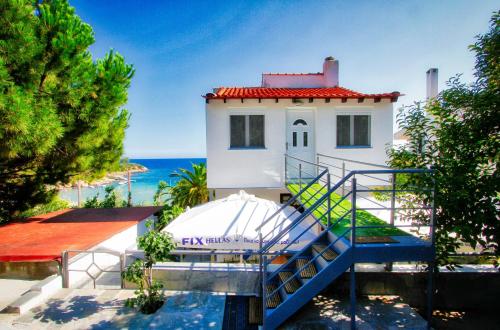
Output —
(353, 214)
(129, 185)
(393, 198)
(260, 256)
(353, 296)
(430, 292)
(353, 244)
(122, 268)
(264, 293)
(65, 271)
(328, 217)
(388, 266)
(343, 175)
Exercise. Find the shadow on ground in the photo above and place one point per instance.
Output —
(373, 312)
(60, 311)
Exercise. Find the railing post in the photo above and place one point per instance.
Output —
(343, 175)
(353, 216)
(122, 268)
(430, 292)
(352, 283)
(328, 216)
(393, 198)
(353, 244)
(264, 293)
(260, 255)
(300, 177)
(65, 271)
(93, 262)
(388, 266)
(433, 212)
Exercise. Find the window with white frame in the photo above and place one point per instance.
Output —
(247, 131)
(353, 130)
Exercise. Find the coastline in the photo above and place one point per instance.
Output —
(109, 178)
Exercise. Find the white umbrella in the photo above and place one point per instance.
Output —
(230, 223)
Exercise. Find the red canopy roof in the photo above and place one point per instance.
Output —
(285, 93)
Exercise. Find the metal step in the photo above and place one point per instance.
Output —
(272, 301)
(292, 285)
(309, 271)
(328, 255)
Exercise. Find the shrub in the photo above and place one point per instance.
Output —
(111, 199)
(157, 246)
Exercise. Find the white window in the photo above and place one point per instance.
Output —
(353, 130)
(247, 131)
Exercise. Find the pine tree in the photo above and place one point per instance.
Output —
(61, 115)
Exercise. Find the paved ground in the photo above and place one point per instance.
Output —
(104, 309)
(373, 312)
(12, 289)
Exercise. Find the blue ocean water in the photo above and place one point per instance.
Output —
(144, 184)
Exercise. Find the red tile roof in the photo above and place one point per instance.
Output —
(292, 74)
(286, 93)
(44, 237)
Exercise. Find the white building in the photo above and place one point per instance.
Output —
(249, 129)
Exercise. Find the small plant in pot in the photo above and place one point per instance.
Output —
(149, 295)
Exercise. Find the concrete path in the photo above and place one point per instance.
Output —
(104, 309)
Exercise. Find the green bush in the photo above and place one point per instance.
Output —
(55, 204)
(111, 199)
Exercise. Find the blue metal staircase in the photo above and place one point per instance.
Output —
(285, 288)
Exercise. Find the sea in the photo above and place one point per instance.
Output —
(144, 184)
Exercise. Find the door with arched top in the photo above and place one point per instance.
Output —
(300, 143)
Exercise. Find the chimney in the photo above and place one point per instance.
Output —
(432, 83)
(331, 72)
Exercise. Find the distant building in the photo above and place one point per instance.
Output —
(249, 129)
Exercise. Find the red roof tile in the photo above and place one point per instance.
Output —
(286, 93)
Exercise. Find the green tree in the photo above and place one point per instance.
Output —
(191, 189)
(111, 199)
(457, 134)
(156, 246)
(61, 116)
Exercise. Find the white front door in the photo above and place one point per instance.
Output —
(300, 143)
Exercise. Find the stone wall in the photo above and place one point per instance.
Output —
(454, 290)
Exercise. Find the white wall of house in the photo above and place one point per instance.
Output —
(245, 168)
(264, 168)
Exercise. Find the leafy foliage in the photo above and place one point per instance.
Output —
(457, 134)
(156, 246)
(167, 214)
(191, 189)
(162, 193)
(55, 204)
(60, 111)
(111, 199)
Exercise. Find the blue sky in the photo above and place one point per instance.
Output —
(182, 49)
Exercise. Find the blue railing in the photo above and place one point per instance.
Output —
(322, 208)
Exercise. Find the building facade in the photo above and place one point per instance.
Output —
(250, 129)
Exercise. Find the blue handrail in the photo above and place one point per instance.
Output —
(291, 200)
